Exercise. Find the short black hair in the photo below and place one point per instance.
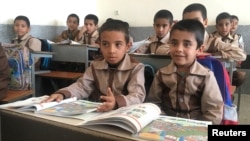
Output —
(223, 15)
(193, 26)
(234, 17)
(115, 25)
(75, 16)
(24, 18)
(196, 7)
(92, 17)
(166, 14)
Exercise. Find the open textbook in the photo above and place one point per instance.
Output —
(167, 128)
(66, 107)
(131, 118)
(142, 120)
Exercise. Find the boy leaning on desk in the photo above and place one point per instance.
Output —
(117, 79)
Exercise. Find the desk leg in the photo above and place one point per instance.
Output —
(0, 128)
(86, 59)
(239, 97)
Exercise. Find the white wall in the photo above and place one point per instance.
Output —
(135, 12)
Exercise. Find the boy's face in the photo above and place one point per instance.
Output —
(113, 46)
(21, 28)
(195, 15)
(183, 48)
(161, 27)
(223, 27)
(90, 26)
(234, 23)
(72, 23)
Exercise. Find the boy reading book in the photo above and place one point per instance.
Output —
(185, 88)
(116, 79)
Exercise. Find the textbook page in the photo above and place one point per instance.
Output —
(41, 106)
(34, 104)
(74, 42)
(27, 102)
(71, 108)
(167, 128)
(131, 118)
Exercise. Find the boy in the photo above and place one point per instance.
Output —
(88, 33)
(185, 88)
(22, 29)
(117, 79)
(163, 20)
(223, 26)
(72, 31)
(221, 43)
(4, 73)
(235, 22)
(198, 12)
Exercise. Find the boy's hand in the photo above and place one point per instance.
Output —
(109, 103)
(83, 29)
(54, 97)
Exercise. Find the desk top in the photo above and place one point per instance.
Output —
(105, 132)
(13, 95)
(74, 45)
(61, 74)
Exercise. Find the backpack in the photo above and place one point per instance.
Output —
(230, 116)
(19, 59)
(45, 62)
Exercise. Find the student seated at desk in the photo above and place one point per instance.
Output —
(89, 33)
(4, 73)
(163, 20)
(72, 31)
(232, 51)
(185, 88)
(116, 79)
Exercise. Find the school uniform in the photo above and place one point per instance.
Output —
(154, 44)
(126, 82)
(31, 42)
(195, 95)
(67, 35)
(89, 38)
(4, 74)
(227, 50)
(232, 50)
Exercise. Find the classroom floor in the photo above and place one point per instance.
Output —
(244, 113)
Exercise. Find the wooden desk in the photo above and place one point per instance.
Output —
(13, 95)
(61, 74)
(73, 76)
(32, 127)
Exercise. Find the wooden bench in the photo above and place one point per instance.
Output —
(14, 95)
